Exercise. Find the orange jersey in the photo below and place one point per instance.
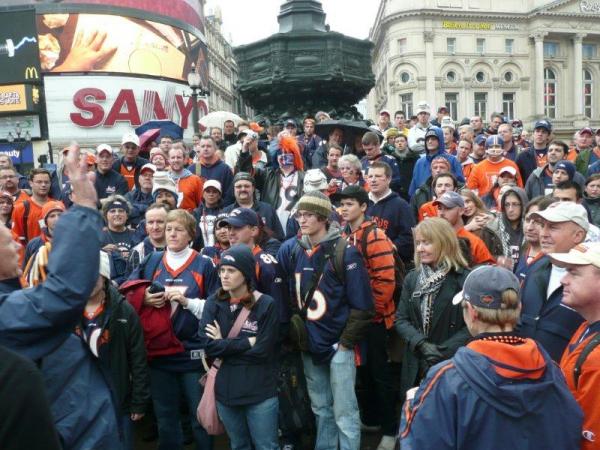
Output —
(128, 174)
(480, 254)
(25, 232)
(572, 155)
(587, 392)
(22, 196)
(484, 175)
(191, 187)
(427, 210)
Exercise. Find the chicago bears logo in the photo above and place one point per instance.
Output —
(487, 299)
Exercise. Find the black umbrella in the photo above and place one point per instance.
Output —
(351, 129)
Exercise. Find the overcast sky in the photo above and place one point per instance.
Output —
(247, 22)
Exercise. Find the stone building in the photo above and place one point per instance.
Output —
(526, 58)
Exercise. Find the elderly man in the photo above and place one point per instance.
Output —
(580, 362)
(543, 316)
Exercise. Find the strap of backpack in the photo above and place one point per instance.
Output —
(27, 207)
(589, 348)
(365, 239)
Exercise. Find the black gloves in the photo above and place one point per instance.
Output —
(431, 353)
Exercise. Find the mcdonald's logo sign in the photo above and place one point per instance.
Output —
(31, 73)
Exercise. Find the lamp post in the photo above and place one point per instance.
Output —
(19, 142)
(195, 83)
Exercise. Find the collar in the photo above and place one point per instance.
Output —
(377, 200)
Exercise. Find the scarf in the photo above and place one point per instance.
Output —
(429, 283)
(36, 270)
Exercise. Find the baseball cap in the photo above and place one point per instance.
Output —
(431, 133)
(240, 217)
(450, 199)
(251, 134)
(517, 123)
(442, 108)
(314, 180)
(131, 138)
(385, 111)
(423, 107)
(565, 212)
(580, 255)
(484, 286)
(355, 192)
(216, 184)
(508, 169)
(480, 139)
(494, 140)
(149, 166)
(104, 148)
(291, 122)
(447, 122)
(586, 130)
(545, 124)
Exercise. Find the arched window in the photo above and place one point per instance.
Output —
(550, 85)
(587, 93)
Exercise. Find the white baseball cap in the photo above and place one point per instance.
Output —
(104, 148)
(149, 166)
(580, 255)
(130, 138)
(565, 212)
(213, 184)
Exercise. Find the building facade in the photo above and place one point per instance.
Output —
(223, 70)
(526, 58)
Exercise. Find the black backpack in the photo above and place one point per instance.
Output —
(589, 348)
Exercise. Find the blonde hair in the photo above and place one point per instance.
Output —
(507, 315)
(443, 238)
(479, 206)
(185, 219)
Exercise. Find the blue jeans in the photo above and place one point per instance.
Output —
(167, 388)
(251, 424)
(127, 430)
(333, 401)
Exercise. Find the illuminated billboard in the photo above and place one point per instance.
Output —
(18, 47)
(117, 44)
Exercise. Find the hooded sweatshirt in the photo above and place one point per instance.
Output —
(493, 395)
(191, 187)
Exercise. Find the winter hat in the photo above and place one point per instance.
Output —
(240, 256)
(314, 180)
(567, 166)
(162, 181)
(315, 202)
(51, 206)
(245, 176)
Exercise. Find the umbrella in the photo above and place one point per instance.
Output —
(351, 129)
(148, 136)
(217, 119)
(166, 127)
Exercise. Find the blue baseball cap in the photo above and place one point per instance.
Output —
(494, 140)
(480, 139)
(239, 218)
(484, 286)
(545, 124)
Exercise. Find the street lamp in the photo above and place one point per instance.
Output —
(20, 142)
(195, 83)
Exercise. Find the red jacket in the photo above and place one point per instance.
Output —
(159, 337)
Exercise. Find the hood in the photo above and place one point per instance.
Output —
(522, 197)
(333, 233)
(184, 174)
(590, 199)
(440, 136)
(505, 382)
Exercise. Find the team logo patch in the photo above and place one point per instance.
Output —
(351, 266)
(589, 435)
(229, 258)
(487, 299)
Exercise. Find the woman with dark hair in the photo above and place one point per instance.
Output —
(6, 208)
(246, 381)
(432, 327)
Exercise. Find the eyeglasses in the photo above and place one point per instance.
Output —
(512, 205)
(304, 215)
(6, 177)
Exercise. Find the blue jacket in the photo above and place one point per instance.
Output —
(139, 203)
(394, 216)
(110, 183)
(422, 169)
(38, 323)
(547, 321)
(266, 212)
(219, 171)
(466, 404)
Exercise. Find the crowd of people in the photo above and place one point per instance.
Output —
(431, 282)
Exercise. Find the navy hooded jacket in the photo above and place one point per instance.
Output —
(494, 396)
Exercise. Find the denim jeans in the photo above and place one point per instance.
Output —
(167, 388)
(333, 400)
(251, 424)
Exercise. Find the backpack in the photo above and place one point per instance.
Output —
(399, 268)
(589, 348)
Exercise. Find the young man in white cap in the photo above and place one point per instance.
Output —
(141, 197)
(543, 316)
(130, 164)
(108, 181)
(580, 362)
(416, 135)
(499, 391)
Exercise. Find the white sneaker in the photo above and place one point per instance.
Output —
(387, 443)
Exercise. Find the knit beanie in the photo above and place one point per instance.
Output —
(567, 166)
(315, 202)
(52, 205)
(240, 256)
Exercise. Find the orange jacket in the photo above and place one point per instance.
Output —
(25, 232)
(587, 392)
(484, 175)
(427, 210)
(379, 261)
(479, 251)
(191, 187)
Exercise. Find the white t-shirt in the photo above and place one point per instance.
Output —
(287, 192)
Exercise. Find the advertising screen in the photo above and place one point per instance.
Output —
(117, 44)
(186, 11)
(18, 47)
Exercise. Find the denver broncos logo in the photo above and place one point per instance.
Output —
(487, 299)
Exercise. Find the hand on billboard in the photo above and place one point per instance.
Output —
(87, 52)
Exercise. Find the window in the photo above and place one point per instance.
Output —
(405, 77)
(588, 51)
(550, 49)
(480, 104)
(480, 45)
(550, 93)
(587, 93)
(509, 46)
(402, 46)
(406, 104)
(480, 77)
(451, 76)
(452, 104)
(508, 76)
(508, 105)
(451, 45)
